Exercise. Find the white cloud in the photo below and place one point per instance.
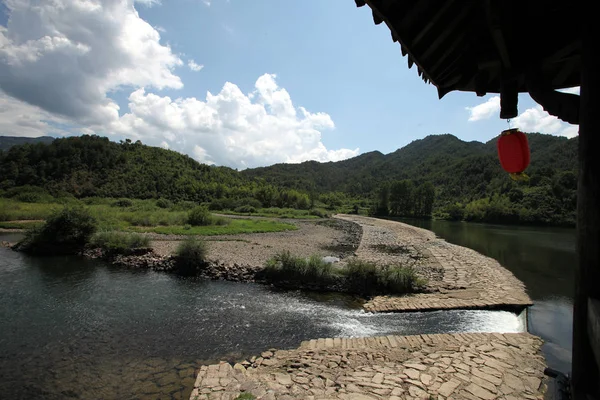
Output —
(148, 3)
(537, 120)
(195, 67)
(21, 119)
(206, 3)
(485, 110)
(231, 128)
(66, 55)
(61, 60)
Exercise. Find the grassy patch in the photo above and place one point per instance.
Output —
(358, 277)
(275, 212)
(119, 242)
(190, 256)
(235, 226)
(12, 210)
(284, 267)
(245, 396)
(21, 224)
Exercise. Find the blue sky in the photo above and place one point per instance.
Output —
(325, 56)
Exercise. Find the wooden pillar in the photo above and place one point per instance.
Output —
(585, 377)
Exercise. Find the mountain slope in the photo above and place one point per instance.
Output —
(6, 142)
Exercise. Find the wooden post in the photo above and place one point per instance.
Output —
(585, 377)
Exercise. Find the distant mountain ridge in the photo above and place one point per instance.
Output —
(6, 142)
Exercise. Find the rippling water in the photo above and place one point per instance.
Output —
(75, 328)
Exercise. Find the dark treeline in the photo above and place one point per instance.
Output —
(438, 175)
(93, 166)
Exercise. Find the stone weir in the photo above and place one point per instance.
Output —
(442, 366)
(458, 277)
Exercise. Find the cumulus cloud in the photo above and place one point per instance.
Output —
(64, 56)
(61, 60)
(231, 128)
(485, 110)
(537, 120)
(531, 120)
(18, 118)
(195, 67)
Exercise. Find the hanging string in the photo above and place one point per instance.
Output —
(508, 122)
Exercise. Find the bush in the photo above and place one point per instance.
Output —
(190, 257)
(184, 206)
(119, 242)
(366, 277)
(220, 221)
(222, 204)
(200, 216)
(245, 209)
(164, 203)
(284, 267)
(361, 276)
(319, 212)
(64, 232)
(122, 203)
(398, 279)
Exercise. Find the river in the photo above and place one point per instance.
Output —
(544, 259)
(77, 328)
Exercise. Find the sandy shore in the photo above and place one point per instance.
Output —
(323, 237)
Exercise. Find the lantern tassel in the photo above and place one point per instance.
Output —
(519, 176)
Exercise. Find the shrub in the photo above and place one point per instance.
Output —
(64, 232)
(319, 212)
(199, 216)
(398, 279)
(119, 242)
(245, 209)
(361, 276)
(122, 203)
(221, 221)
(190, 257)
(222, 204)
(184, 206)
(284, 267)
(366, 277)
(164, 203)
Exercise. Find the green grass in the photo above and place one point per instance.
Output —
(142, 216)
(358, 277)
(118, 242)
(13, 210)
(284, 267)
(21, 224)
(235, 226)
(274, 212)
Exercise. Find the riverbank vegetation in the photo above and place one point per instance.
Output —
(439, 176)
(66, 231)
(113, 242)
(357, 277)
(190, 256)
(131, 215)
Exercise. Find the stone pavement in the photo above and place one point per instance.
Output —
(444, 366)
(458, 277)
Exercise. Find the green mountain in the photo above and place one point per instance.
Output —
(440, 174)
(463, 173)
(88, 166)
(6, 142)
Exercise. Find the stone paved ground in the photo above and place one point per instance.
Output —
(458, 277)
(444, 366)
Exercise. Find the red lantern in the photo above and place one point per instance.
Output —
(513, 152)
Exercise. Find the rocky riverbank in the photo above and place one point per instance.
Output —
(445, 366)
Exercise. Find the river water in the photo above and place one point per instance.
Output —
(542, 258)
(77, 328)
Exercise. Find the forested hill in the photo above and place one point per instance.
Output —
(441, 159)
(88, 166)
(469, 182)
(6, 142)
(439, 174)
